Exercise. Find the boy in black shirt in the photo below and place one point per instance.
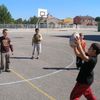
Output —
(86, 75)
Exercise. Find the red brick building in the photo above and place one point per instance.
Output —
(84, 20)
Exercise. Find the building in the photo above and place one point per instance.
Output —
(50, 22)
(84, 20)
(68, 20)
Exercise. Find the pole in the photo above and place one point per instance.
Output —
(38, 22)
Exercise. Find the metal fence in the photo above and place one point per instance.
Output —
(16, 26)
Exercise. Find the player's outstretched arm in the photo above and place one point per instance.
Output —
(76, 51)
(82, 52)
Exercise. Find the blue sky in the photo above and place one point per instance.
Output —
(58, 8)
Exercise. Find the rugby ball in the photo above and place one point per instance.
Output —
(72, 39)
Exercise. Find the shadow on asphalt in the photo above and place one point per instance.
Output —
(20, 57)
(59, 68)
(86, 37)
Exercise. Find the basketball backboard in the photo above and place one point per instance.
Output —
(42, 12)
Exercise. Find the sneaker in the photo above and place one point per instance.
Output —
(32, 57)
(37, 58)
(7, 70)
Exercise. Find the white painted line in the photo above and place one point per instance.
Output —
(43, 76)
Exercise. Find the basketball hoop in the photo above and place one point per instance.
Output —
(42, 13)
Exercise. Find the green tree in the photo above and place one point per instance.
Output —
(25, 21)
(19, 21)
(97, 19)
(33, 20)
(5, 16)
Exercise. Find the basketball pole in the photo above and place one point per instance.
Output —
(47, 22)
(37, 23)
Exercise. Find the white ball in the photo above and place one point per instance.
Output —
(72, 39)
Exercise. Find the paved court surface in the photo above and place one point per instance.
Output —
(51, 77)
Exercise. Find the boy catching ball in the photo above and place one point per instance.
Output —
(86, 74)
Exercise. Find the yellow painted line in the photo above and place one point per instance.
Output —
(33, 86)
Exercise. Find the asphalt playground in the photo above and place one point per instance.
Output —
(53, 75)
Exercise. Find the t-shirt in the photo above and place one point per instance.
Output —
(5, 44)
(37, 38)
(86, 74)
